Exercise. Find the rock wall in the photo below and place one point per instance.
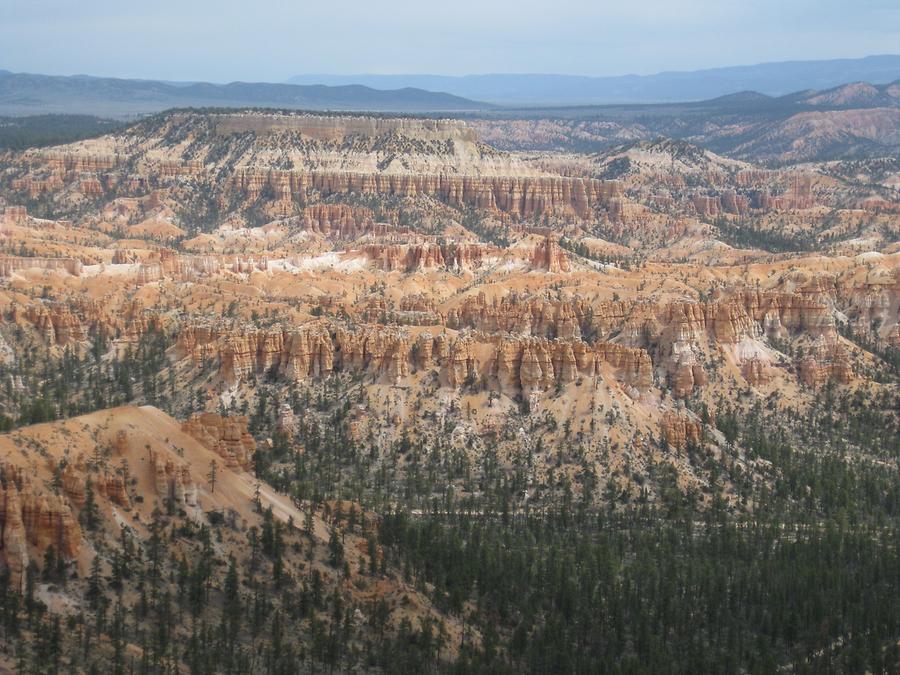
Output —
(528, 315)
(339, 221)
(680, 430)
(514, 363)
(728, 202)
(336, 129)
(451, 256)
(56, 324)
(549, 256)
(77, 163)
(15, 215)
(828, 360)
(517, 197)
(173, 479)
(62, 324)
(226, 436)
(169, 265)
(680, 334)
(32, 518)
(535, 343)
(9, 265)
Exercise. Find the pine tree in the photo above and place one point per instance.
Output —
(212, 475)
(232, 608)
(335, 548)
(90, 513)
(50, 565)
(95, 584)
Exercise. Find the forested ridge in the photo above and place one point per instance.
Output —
(34, 131)
(800, 575)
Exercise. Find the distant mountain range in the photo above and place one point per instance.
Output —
(28, 94)
(773, 79)
(773, 88)
(850, 121)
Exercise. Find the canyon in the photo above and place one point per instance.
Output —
(491, 374)
(255, 323)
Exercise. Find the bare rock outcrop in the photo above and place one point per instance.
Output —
(77, 320)
(389, 354)
(548, 255)
(10, 265)
(56, 324)
(14, 538)
(16, 215)
(451, 256)
(525, 315)
(286, 423)
(227, 436)
(683, 333)
(173, 479)
(32, 518)
(680, 430)
(756, 371)
(339, 221)
(516, 197)
(828, 360)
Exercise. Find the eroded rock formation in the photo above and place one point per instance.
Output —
(827, 360)
(339, 221)
(75, 321)
(226, 436)
(32, 517)
(10, 265)
(518, 364)
(549, 256)
(525, 197)
(452, 256)
(680, 430)
(172, 479)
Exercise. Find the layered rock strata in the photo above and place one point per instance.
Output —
(227, 436)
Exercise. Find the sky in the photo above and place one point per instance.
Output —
(271, 40)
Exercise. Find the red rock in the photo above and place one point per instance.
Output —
(678, 430)
(549, 256)
(227, 436)
(31, 516)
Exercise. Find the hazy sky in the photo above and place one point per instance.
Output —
(270, 40)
